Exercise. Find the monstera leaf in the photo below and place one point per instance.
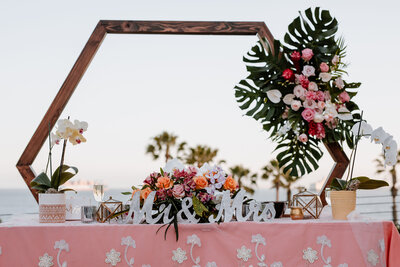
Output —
(315, 31)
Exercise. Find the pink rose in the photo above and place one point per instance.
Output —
(320, 96)
(299, 91)
(344, 97)
(307, 54)
(303, 138)
(285, 114)
(311, 95)
(309, 103)
(308, 114)
(324, 67)
(178, 191)
(308, 71)
(312, 86)
(296, 105)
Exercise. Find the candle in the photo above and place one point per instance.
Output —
(88, 214)
(296, 213)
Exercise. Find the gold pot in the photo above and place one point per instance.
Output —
(343, 202)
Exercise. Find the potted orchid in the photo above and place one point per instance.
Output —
(343, 192)
(48, 183)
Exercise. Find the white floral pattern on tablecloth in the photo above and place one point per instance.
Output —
(128, 242)
(372, 257)
(310, 255)
(113, 257)
(179, 255)
(244, 253)
(45, 261)
(194, 240)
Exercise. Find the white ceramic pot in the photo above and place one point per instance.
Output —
(52, 208)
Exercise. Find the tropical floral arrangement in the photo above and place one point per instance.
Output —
(66, 131)
(176, 181)
(297, 90)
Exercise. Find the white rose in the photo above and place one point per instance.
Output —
(274, 95)
(318, 117)
(312, 86)
(299, 91)
(321, 105)
(296, 105)
(339, 83)
(288, 99)
(325, 76)
(308, 71)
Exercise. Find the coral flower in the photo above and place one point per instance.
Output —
(164, 182)
(144, 193)
(201, 182)
(230, 184)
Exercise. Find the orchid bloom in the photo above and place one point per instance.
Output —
(55, 139)
(81, 126)
(365, 129)
(379, 135)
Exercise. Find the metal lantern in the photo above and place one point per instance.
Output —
(309, 202)
(108, 209)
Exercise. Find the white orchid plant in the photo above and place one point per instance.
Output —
(67, 131)
(389, 148)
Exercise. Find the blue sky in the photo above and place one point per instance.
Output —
(138, 86)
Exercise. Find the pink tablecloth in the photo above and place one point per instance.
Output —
(279, 243)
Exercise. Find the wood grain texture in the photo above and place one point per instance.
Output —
(339, 167)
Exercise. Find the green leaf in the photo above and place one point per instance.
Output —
(338, 184)
(126, 193)
(372, 184)
(198, 207)
(41, 179)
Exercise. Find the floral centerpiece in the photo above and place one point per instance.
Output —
(297, 90)
(176, 181)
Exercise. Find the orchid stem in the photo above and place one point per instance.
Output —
(355, 148)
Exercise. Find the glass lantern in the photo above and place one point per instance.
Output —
(309, 202)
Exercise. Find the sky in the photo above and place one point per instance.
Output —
(140, 85)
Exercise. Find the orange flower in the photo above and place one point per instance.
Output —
(144, 193)
(164, 182)
(201, 182)
(230, 184)
(134, 191)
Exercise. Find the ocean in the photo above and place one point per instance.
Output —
(374, 203)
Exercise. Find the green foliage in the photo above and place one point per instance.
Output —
(315, 31)
(42, 182)
(363, 183)
(199, 207)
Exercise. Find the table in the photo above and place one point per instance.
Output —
(281, 242)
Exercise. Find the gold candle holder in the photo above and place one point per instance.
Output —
(296, 213)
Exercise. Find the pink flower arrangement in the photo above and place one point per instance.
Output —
(307, 54)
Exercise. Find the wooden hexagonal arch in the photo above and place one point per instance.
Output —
(143, 27)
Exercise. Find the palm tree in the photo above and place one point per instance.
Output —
(280, 179)
(380, 168)
(241, 173)
(201, 154)
(162, 144)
